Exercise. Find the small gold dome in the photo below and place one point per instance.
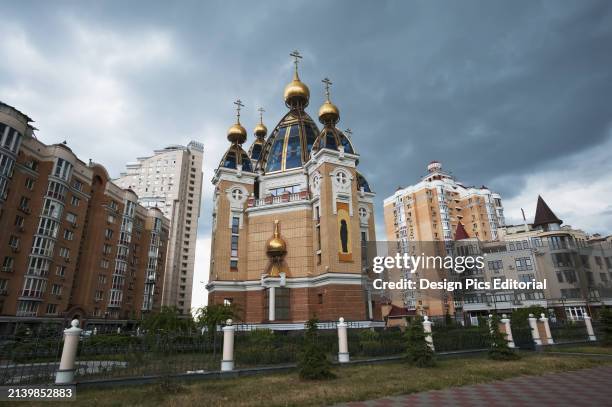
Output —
(329, 113)
(237, 134)
(276, 247)
(261, 130)
(297, 93)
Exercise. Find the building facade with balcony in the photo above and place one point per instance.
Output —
(290, 219)
(73, 242)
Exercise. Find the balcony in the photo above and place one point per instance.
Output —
(280, 199)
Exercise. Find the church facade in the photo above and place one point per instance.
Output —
(290, 219)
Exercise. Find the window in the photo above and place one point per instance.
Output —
(56, 289)
(228, 301)
(24, 203)
(29, 183)
(60, 271)
(7, 264)
(51, 309)
(108, 233)
(64, 252)
(3, 286)
(234, 264)
(281, 303)
(74, 201)
(291, 189)
(56, 191)
(14, 242)
(99, 295)
(68, 234)
(71, 218)
(78, 185)
(234, 241)
(570, 276)
(525, 278)
(341, 178)
(19, 221)
(562, 260)
(101, 278)
(523, 264)
(495, 265)
(62, 169)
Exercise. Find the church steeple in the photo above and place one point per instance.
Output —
(297, 93)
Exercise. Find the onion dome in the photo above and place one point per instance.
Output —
(329, 113)
(237, 134)
(276, 247)
(363, 183)
(235, 157)
(260, 135)
(297, 93)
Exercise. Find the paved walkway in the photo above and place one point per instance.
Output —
(588, 387)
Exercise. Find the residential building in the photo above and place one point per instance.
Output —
(74, 243)
(290, 221)
(171, 180)
(424, 219)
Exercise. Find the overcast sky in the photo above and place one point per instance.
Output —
(513, 95)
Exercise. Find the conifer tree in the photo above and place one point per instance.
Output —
(312, 362)
(605, 318)
(499, 349)
(419, 352)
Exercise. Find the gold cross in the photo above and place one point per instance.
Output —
(327, 83)
(239, 105)
(296, 56)
(261, 112)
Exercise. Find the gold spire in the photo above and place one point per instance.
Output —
(260, 129)
(297, 93)
(237, 134)
(328, 112)
(276, 246)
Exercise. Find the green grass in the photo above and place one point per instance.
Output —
(602, 350)
(352, 383)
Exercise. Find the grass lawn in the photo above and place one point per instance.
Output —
(353, 383)
(581, 349)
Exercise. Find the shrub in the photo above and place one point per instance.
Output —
(419, 351)
(605, 318)
(313, 363)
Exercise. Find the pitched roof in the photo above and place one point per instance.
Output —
(544, 215)
(460, 232)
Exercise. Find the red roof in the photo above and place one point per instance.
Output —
(460, 232)
(544, 215)
(400, 312)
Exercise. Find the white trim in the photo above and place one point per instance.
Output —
(279, 208)
(295, 282)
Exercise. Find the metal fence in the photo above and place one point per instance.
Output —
(29, 360)
(568, 331)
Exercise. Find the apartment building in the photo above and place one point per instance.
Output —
(75, 245)
(171, 181)
(577, 269)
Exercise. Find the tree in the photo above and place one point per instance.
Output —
(312, 361)
(418, 349)
(520, 317)
(167, 321)
(605, 318)
(498, 349)
(210, 316)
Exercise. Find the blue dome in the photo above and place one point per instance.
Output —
(289, 145)
(362, 183)
(331, 138)
(236, 155)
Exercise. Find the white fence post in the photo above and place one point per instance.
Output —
(506, 321)
(343, 352)
(535, 334)
(589, 327)
(549, 338)
(427, 330)
(227, 364)
(65, 373)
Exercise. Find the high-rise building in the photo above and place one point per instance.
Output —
(171, 180)
(73, 244)
(426, 218)
(290, 220)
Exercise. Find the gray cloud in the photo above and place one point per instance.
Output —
(498, 91)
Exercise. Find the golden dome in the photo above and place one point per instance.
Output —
(276, 247)
(237, 134)
(296, 93)
(329, 113)
(261, 130)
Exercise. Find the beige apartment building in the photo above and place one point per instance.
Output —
(576, 267)
(171, 181)
(290, 221)
(426, 218)
(75, 245)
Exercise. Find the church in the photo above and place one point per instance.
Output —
(291, 218)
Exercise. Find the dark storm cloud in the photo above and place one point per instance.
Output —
(497, 91)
